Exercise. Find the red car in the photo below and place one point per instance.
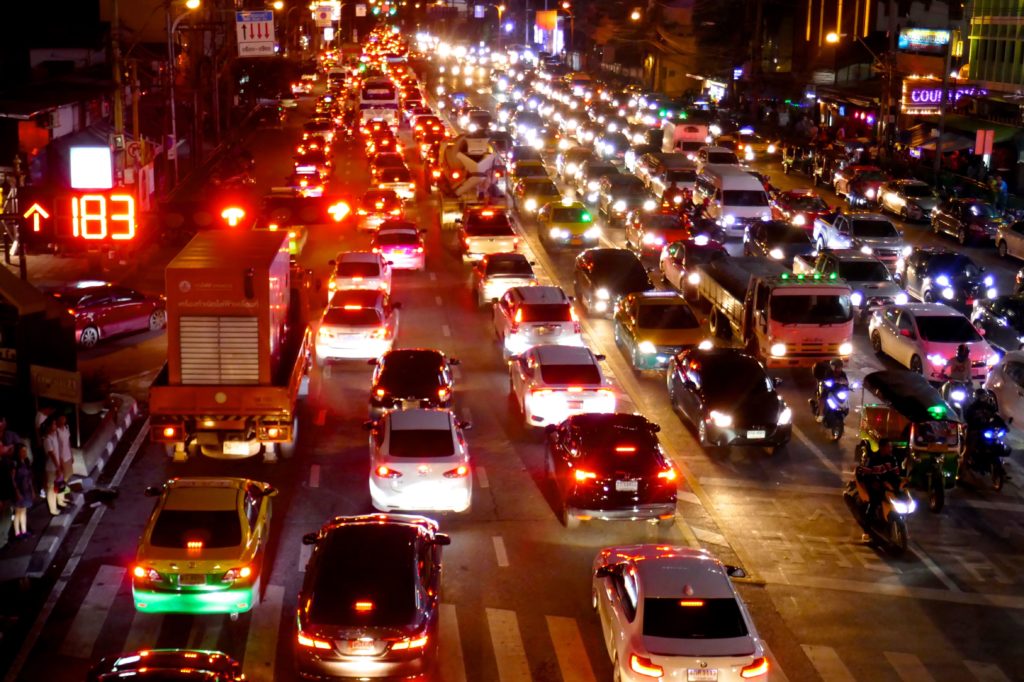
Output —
(799, 207)
(647, 233)
(103, 310)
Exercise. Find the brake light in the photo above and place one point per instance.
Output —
(238, 573)
(582, 475)
(668, 475)
(410, 643)
(460, 471)
(396, 211)
(364, 606)
(435, 173)
(384, 472)
(691, 603)
(443, 393)
(487, 214)
(625, 448)
(380, 392)
(194, 544)
(456, 175)
(419, 249)
(233, 215)
(645, 666)
(756, 669)
(170, 432)
(312, 642)
(376, 249)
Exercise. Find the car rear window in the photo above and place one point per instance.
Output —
(176, 528)
(587, 375)
(492, 226)
(503, 266)
(358, 269)
(723, 157)
(676, 618)
(398, 238)
(421, 443)
(354, 317)
(546, 312)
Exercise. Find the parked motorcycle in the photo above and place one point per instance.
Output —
(985, 450)
(886, 524)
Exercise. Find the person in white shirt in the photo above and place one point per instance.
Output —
(67, 458)
(51, 447)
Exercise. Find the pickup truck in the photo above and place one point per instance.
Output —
(870, 233)
(871, 282)
(784, 319)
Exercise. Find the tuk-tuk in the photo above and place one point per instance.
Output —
(798, 158)
(924, 431)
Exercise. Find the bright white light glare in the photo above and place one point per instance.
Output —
(91, 168)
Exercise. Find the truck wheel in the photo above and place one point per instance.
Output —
(287, 450)
(157, 320)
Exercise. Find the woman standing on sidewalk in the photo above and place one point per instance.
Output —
(24, 490)
(51, 446)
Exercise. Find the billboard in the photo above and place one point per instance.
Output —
(923, 40)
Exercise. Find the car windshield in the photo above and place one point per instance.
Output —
(723, 157)
(627, 276)
(864, 271)
(811, 309)
(398, 239)
(352, 317)
(676, 618)
(421, 443)
(585, 375)
(783, 233)
(871, 176)
(541, 189)
(176, 528)
(571, 214)
(531, 172)
(807, 202)
(953, 265)
(506, 266)
(546, 312)
(746, 197)
(346, 573)
(357, 269)
(873, 229)
(666, 317)
(734, 378)
(982, 211)
(946, 329)
(917, 191)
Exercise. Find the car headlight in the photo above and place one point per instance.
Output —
(592, 185)
(856, 298)
(786, 416)
(771, 149)
(846, 348)
(948, 294)
(901, 298)
(942, 281)
(866, 250)
(570, 169)
(693, 278)
(937, 360)
(720, 419)
(472, 127)
(555, 233)
(564, 144)
(619, 206)
(907, 250)
(593, 233)
(603, 294)
(992, 360)
(991, 292)
(729, 219)
(903, 506)
(989, 281)
(647, 347)
(706, 344)
(870, 193)
(958, 395)
(776, 254)
(799, 220)
(777, 350)
(650, 205)
(749, 154)
(531, 205)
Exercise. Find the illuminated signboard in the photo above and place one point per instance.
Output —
(923, 97)
(923, 40)
(85, 216)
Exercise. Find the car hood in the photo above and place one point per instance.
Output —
(925, 203)
(704, 648)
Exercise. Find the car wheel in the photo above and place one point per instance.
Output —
(90, 337)
(876, 343)
(916, 365)
(157, 320)
(569, 519)
(1001, 247)
(961, 236)
(929, 296)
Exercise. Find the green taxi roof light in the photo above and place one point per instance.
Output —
(585, 217)
(784, 275)
(683, 115)
(937, 411)
(833, 275)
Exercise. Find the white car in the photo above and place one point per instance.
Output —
(924, 337)
(1006, 380)
(359, 270)
(400, 243)
(496, 273)
(419, 460)
(358, 323)
(672, 613)
(552, 383)
(529, 316)
(722, 156)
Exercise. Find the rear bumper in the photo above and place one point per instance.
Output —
(516, 344)
(310, 666)
(780, 435)
(455, 497)
(363, 350)
(640, 512)
(228, 600)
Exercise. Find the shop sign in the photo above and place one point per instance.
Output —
(923, 40)
(924, 100)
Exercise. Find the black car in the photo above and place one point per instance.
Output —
(940, 276)
(603, 275)
(610, 467)
(1001, 320)
(370, 598)
(969, 220)
(728, 398)
(776, 240)
(409, 378)
(159, 665)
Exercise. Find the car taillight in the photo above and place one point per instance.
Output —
(515, 243)
(380, 392)
(756, 669)
(605, 393)
(444, 392)
(240, 573)
(642, 665)
(410, 643)
(311, 642)
(460, 471)
(668, 475)
(582, 475)
(384, 472)
(170, 432)
(575, 389)
(379, 333)
(144, 573)
(435, 173)
(540, 392)
(419, 249)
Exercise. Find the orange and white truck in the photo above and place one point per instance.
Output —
(238, 348)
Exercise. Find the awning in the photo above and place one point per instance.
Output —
(966, 124)
(951, 142)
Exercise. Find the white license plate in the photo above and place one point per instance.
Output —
(192, 579)
(756, 434)
(360, 645)
(702, 675)
(575, 404)
(626, 486)
(410, 404)
(236, 447)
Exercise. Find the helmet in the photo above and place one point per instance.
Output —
(963, 352)
(980, 395)
(836, 364)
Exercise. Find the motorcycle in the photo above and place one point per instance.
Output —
(957, 394)
(887, 524)
(985, 450)
(833, 406)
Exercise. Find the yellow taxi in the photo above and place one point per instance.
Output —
(652, 326)
(202, 549)
(567, 222)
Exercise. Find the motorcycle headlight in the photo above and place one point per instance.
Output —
(693, 278)
(958, 395)
(942, 281)
(531, 205)
(706, 344)
(647, 347)
(903, 506)
(900, 298)
(866, 250)
(846, 348)
(603, 294)
(907, 250)
(729, 220)
(948, 294)
(619, 206)
(856, 298)
(677, 199)
(786, 416)
(771, 149)
(570, 169)
(937, 360)
(870, 193)
(799, 220)
(989, 281)
(776, 254)
(992, 360)
(721, 419)
(991, 292)
(842, 395)
(650, 205)
(989, 434)
(592, 185)
(778, 350)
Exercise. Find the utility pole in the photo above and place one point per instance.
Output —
(890, 77)
(118, 96)
(943, 103)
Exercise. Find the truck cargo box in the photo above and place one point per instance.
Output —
(733, 274)
(227, 306)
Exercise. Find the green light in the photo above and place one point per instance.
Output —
(683, 115)
(376, 10)
(585, 217)
(392, 11)
(662, 113)
(937, 411)
(817, 275)
(800, 277)
(784, 275)
(787, 101)
(833, 275)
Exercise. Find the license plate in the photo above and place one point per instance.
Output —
(236, 447)
(410, 404)
(626, 486)
(702, 675)
(756, 434)
(576, 240)
(192, 579)
(360, 645)
(575, 404)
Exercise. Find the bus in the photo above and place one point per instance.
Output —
(378, 99)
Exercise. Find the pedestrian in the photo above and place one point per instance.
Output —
(24, 491)
(1002, 192)
(54, 482)
(67, 457)
(7, 495)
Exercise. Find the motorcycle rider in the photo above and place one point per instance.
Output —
(673, 196)
(878, 467)
(959, 368)
(978, 415)
(824, 371)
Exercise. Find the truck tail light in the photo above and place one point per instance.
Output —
(460, 471)
(444, 393)
(756, 669)
(642, 665)
(384, 472)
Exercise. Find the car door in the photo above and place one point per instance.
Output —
(913, 273)
(905, 341)
(391, 318)
(1015, 240)
(999, 329)
(521, 374)
(1008, 385)
(131, 309)
(625, 322)
(503, 315)
(99, 312)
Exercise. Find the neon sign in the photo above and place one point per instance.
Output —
(927, 99)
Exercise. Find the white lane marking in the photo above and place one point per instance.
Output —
(507, 643)
(909, 667)
(438, 300)
(261, 644)
(499, 551)
(446, 330)
(304, 553)
(986, 672)
(775, 671)
(572, 655)
(687, 496)
(828, 664)
(92, 613)
(69, 568)
(314, 476)
(934, 568)
(145, 629)
(481, 477)
(829, 464)
(709, 536)
(450, 665)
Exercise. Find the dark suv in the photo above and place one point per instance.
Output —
(409, 378)
(370, 598)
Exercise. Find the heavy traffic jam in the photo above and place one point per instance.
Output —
(623, 250)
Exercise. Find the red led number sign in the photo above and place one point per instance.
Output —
(96, 217)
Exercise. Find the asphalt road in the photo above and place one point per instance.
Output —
(516, 583)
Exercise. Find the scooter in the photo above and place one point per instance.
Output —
(887, 525)
(986, 448)
(833, 407)
(958, 394)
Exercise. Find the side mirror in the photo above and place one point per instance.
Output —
(390, 262)
(656, 428)
(442, 540)
(269, 491)
(310, 538)
(454, 362)
(599, 357)
(735, 572)
(465, 426)
(372, 362)
(332, 262)
(154, 491)
(369, 425)
(776, 381)
(458, 221)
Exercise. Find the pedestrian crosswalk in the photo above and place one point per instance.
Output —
(576, 658)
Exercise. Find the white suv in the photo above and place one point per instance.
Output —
(525, 317)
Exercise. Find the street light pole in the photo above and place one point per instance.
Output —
(170, 72)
